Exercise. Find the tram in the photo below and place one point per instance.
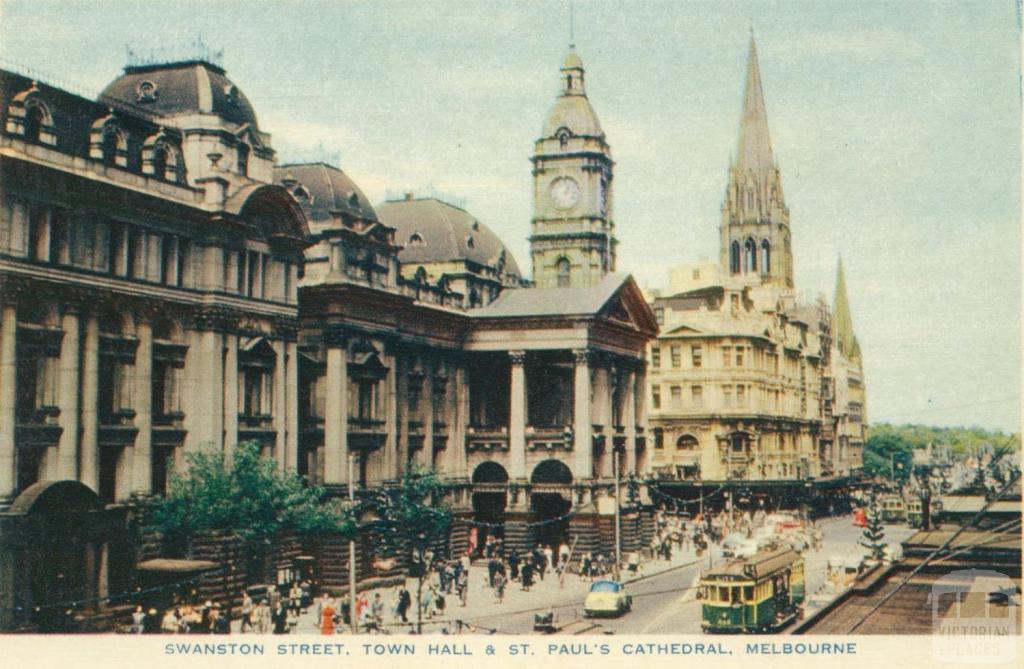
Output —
(894, 510)
(755, 595)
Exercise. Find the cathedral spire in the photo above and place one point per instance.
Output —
(842, 322)
(755, 148)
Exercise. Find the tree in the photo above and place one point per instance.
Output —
(888, 454)
(249, 497)
(414, 518)
(875, 530)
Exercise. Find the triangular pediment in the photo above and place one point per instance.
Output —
(682, 330)
(628, 307)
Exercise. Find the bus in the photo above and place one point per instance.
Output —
(755, 595)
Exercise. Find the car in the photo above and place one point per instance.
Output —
(607, 598)
(738, 546)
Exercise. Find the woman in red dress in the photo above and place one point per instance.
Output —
(327, 618)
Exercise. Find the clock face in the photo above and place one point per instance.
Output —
(565, 192)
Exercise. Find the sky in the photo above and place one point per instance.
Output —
(896, 126)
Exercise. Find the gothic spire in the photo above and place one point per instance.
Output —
(755, 149)
(842, 322)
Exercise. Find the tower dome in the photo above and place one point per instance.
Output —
(572, 110)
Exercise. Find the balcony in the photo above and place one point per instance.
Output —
(366, 434)
(549, 438)
(256, 426)
(440, 435)
(487, 438)
(416, 435)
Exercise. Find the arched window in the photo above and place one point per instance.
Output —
(564, 272)
(766, 256)
(734, 257)
(111, 144)
(687, 442)
(160, 156)
(35, 118)
(416, 239)
(749, 256)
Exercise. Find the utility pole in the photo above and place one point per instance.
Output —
(615, 474)
(352, 549)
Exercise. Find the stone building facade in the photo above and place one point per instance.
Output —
(166, 287)
(753, 392)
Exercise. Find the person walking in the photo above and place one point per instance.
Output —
(563, 554)
(513, 565)
(404, 602)
(499, 588)
(462, 586)
(138, 619)
(527, 574)
(220, 621)
(586, 566)
(327, 613)
(247, 608)
(170, 624)
(377, 610)
(295, 597)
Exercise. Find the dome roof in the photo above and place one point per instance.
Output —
(447, 233)
(186, 87)
(575, 113)
(572, 60)
(322, 189)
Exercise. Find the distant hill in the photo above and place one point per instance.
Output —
(961, 440)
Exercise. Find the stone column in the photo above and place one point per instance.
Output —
(8, 399)
(210, 409)
(280, 403)
(230, 395)
(640, 395)
(336, 410)
(581, 423)
(390, 460)
(603, 416)
(458, 422)
(66, 462)
(404, 456)
(517, 416)
(427, 412)
(291, 444)
(629, 421)
(90, 455)
(142, 465)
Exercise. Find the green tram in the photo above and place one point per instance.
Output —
(894, 510)
(754, 595)
(915, 512)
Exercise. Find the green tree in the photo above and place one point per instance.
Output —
(249, 497)
(875, 530)
(414, 518)
(888, 454)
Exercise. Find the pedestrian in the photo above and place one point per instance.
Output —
(513, 564)
(549, 558)
(170, 624)
(499, 588)
(263, 620)
(327, 613)
(220, 621)
(462, 586)
(404, 602)
(492, 569)
(563, 554)
(138, 619)
(377, 610)
(295, 597)
(439, 600)
(307, 594)
(247, 608)
(539, 562)
(633, 563)
(527, 575)
(586, 565)
(427, 604)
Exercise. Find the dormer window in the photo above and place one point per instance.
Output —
(470, 242)
(29, 116)
(146, 91)
(301, 194)
(416, 239)
(353, 200)
(563, 136)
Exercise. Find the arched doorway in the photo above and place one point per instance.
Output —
(550, 507)
(65, 564)
(489, 501)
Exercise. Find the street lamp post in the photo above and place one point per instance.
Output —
(352, 549)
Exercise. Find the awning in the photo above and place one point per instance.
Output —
(170, 566)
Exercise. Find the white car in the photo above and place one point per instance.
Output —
(738, 546)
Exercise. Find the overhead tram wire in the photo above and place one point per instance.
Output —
(935, 552)
(996, 457)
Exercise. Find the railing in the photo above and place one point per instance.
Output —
(487, 438)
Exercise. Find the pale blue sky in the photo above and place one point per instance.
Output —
(896, 126)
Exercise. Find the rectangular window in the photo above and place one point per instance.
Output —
(367, 399)
(677, 356)
(115, 248)
(58, 237)
(656, 357)
(656, 397)
(659, 315)
(695, 354)
(38, 233)
(133, 251)
(184, 250)
(167, 260)
(741, 395)
(697, 392)
(677, 397)
(727, 396)
(726, 356)
(739, 356)
(240, 271)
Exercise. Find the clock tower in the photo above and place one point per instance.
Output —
(572, 242)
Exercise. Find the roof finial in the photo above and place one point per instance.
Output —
(572, 26)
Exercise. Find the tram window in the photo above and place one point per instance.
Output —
(748, 593)
(723, 593)
(735, 594)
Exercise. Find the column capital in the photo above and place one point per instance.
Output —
(517, 358)
(12, 288)
(286, 328)
(583, 356)
(215, 318)
(335, 335)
